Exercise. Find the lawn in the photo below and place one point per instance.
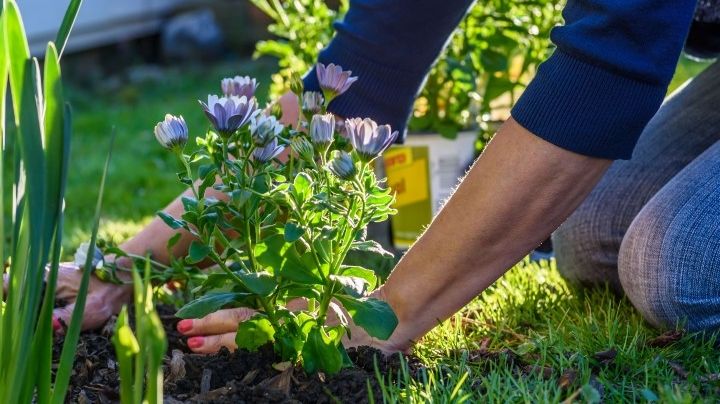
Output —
(529, 338)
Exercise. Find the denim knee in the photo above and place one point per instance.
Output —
(668, 267)
(586, 246)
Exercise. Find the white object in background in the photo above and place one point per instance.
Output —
(99, 22)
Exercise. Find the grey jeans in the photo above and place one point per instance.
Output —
(651, 228)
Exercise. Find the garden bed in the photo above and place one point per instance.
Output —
(226, 377)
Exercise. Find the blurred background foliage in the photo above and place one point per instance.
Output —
(130, 85)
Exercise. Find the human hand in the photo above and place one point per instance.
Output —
(216, 330)
(103, 299)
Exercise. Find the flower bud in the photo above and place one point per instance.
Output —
(264, 128)
(296, 84)
(172, 133)
(342, 165)
(322, 131)
(81, 255)
(312, 103)
(303, 148)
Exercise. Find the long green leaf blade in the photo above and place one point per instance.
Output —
(73, 333)
(18, 53)
(67, 24)
(27, 276)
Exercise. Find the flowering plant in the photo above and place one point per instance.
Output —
(291, 220)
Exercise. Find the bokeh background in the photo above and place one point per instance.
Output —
(130, 62)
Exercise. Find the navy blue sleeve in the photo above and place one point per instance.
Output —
(594, 95)
(390, 45)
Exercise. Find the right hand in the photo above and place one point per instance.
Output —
(103, 299)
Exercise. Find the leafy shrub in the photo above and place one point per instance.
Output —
(490, 57)
(302, 28)
(284, 227)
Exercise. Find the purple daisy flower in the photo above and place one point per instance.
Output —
(369, 139)
(333, 80)
(239, 86)
(228, 114)
(268, 152)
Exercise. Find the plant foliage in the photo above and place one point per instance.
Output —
(279, 229)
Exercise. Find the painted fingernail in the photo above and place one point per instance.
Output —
(184, 326)
(195, 342)
(56, 323)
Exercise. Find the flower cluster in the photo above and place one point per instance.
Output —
(297, 199)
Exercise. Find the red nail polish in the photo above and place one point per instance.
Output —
(56, 323)
(184, 326)
(195, 342)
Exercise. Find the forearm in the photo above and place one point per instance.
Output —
(494, 218)
(154, 237)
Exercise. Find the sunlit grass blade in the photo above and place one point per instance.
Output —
(126, 347)
(67, 24)
(58, 134)
(27, 268)
(72, 335)
(18, 54)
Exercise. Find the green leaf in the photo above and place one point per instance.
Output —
(360, 272)
(254, 333)
(173, 241)
(373, 315)
(170, 221)
(197, 252)
(189, 203)
(370, 254)
(67, 356)
(282, 257)
(353, 286)
(126, 347)
(260, 283)
(293, 232)
(302, 188)
(67, 24)
(207, 304)
(321, 353)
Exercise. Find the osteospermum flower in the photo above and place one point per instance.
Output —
(239, 86)
(228, 114)
(172, 132)
(369, 139)
(81, 254)
(322, 130)
(268, 152)
(342, 165)
(333, 80)
(312, 102)
(264, 128)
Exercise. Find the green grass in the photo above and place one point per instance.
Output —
(547, 325)
(530, 311)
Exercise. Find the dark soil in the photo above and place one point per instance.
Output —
(238, 377)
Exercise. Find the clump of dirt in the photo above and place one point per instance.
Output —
(228, 377)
